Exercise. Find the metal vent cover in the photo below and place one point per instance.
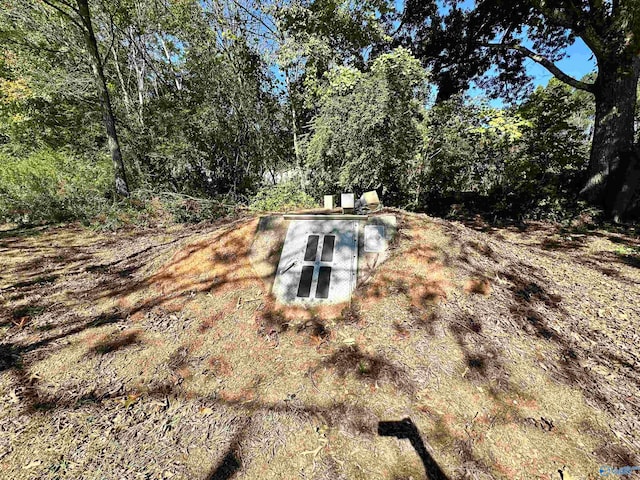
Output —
(318, 262)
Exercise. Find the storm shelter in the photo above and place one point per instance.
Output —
(318, 263)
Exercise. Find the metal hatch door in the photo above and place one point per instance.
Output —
(318, 262)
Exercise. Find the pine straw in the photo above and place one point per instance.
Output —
(162, 355)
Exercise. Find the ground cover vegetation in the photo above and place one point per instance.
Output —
(159, 353)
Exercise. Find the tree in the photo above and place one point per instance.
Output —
(555, 144)
(503, 33)
(467, 149)
(365, 135)
(204, 117)
(311, 37)
(86, 26)
(22, 16)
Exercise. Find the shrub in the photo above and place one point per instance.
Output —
(52, 185)
(148, 208)
(281, 197)
(185, 209)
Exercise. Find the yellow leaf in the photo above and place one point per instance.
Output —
(206, 411)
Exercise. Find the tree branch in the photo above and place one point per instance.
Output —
(113, 41)
(270, 28)
(545, 62)
(587, 25)
(64, 12)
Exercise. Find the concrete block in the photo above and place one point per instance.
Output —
(328, 202)
(347, 200)
(371, 198)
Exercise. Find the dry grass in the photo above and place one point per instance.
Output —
(161, 355)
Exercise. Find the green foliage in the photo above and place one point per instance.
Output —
(203, 113)
(555, 141)
(281, 197)
(47, 98)
(465, 147)
(366, 132)
(193, 97)
(372, 132)
(525, 162)
(52, 186)
(321, 34)
(217, 137)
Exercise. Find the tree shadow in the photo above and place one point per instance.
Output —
(369, 368)
(23, 231)
(39, 280)
(622, 258)
(115, 342)
(526, 290)
(482, 355)
(231, 461)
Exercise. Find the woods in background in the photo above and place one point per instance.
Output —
(208, 103)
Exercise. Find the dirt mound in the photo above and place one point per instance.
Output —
(511, 350)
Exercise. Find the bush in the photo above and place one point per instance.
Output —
(148, 208)
(53, 186)
(281, 197)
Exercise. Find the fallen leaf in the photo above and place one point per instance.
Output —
(14, 396)
(33, 464)
(131, 399)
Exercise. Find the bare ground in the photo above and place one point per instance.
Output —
(511, 352)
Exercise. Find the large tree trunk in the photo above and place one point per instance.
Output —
(122, 188)
(614, 165)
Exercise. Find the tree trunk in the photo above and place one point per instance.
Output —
(125, 94)
(122, 188)
(176, 77)
(294, 125)
(612, 182)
